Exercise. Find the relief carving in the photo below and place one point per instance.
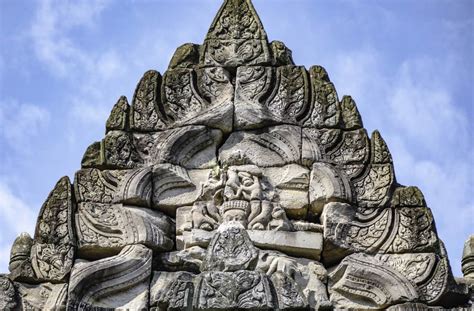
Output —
(120, 281)
(350, 114)
(145, 113)
(233, 290)
(274, 146)
(53, 251)
(45, 296)
(326, 110)
(103, 229)
(192, 147)
(119, 116)
(7, 294)
(236, 37)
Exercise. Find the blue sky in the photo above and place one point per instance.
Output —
(408, 64)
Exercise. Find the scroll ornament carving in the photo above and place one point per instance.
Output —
(104, 230)
(120, 281)
(7, 294)
(145, 113)
(119, 116)
(45, 296)
(53, 251)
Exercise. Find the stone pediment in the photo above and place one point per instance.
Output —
(235, 180)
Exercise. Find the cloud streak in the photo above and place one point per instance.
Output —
(17, 217)
(19, 123)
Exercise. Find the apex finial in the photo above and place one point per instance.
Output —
(237, 19)
(236, 37)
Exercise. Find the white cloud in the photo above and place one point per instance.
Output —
(53, 21)
(19, 123)
(17, 217)
(422, 107)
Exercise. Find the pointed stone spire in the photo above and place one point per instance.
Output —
(236, 37)
(237, 19)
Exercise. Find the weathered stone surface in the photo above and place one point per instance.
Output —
(174, 186)
(171, 291)
(119, 151)
(230, 250)
(93, 185)
(282, 55)
(240, 290)
(192, 147)
(373, 189)
(195, 237)
(253, 85)
(327, 184)
(285, 101)
(119, 116)
(20, 262)
(411, 277)
(103, 229)
(361, 282)
(114, 186)
(53, 251)
(135, 188)
(402, 230)
(308, 278)
(121, 281)
(352, 149)
(145, 114)
(45, 296)
(326, 112)
(236, 37)
(318, 143)
(350, 114)
(468, 258)
(297, 244)
(189, 259)
(200, 97)
(7, 294)
(50, 255)
(186, 56)
(274, 146)
(291, 184)
(407, 197)
(93, 156)
(289, 296)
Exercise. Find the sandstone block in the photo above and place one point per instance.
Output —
(121, 281)
(119, 116)
(326, 185)
(45, 296)
(297, 244)
(230, 250)
(192, 147)
(172, 291)
(104, 230)
(292, 184)
(233, 290)
(274, 146)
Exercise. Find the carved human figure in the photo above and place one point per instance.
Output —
(243, 183)
(236, 211)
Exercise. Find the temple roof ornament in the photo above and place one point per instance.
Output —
(235, 180)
